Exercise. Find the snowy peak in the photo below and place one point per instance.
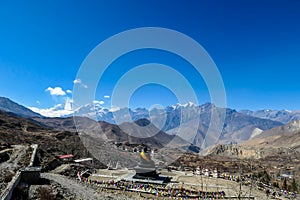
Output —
(186, 105)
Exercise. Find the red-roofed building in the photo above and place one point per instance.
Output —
(66, 157)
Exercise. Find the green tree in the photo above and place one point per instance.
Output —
(294, 186)
(275, 184)
(45, 193)
(284, 186)
(265, 177)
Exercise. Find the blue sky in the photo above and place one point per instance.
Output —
(255, 45)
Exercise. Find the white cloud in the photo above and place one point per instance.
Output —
(57, 91)
(58, 110)
(69, 91)
(106, 96)
(79, 81)
(51, 112)
(100, 102)
(114, 109)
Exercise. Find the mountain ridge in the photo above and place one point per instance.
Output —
(8, 105)
(277, 143)
(283, 116)
(191, 118)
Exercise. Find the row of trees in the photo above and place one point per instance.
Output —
(290, 187)
(266, 178)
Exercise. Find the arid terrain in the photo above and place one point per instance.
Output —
(264, 164)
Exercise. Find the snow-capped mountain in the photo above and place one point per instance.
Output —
(97, 111)
(186, 105)
(237, 127)
(171, 114)
(189, 118)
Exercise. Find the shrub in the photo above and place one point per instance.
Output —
(45, 193)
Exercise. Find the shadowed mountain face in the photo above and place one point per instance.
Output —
(57, 123)
(16, 130)
(99, 137)
(138, 132)
(58, 136)
(194, 122)
(237, 126)
(9, 106)
(142, 131)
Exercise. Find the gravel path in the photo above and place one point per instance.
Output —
(81, 191)
(15, 157)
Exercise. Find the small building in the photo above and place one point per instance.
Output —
(31, 174)
(215, 173)
(205, 172)
(198, 171)
(87, 161)
(67, 157)
(287, 174)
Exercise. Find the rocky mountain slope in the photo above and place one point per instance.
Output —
(282, 142)
(57, 136)
(238, 127)
(287, 136)
(10, 106)
(16, 130)
(140, 131)
(283, 116)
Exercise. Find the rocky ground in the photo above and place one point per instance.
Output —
(61, 187)
(16, 135)
(18, 156)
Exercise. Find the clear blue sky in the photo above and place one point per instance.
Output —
(255, 45)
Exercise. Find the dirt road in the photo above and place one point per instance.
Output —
(82, 191)
(15, 157)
